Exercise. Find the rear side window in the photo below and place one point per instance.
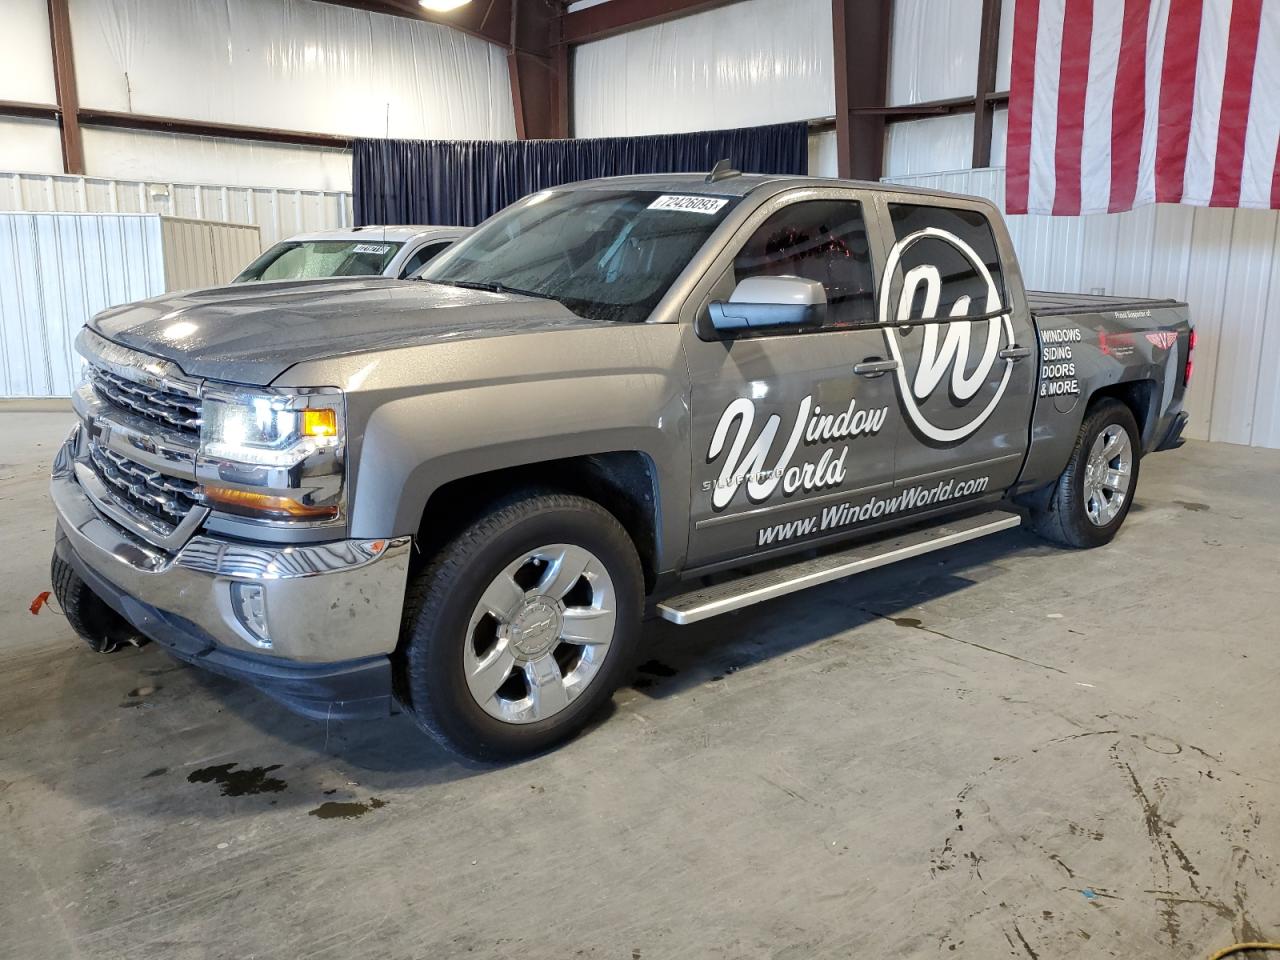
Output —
(823, 240)
(420, 259)
(959, 279)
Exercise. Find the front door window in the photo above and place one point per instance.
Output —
(822, 240)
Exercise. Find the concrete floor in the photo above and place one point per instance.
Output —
(1006, 750)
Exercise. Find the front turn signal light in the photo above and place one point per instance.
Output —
(260, 504)
(319, 422)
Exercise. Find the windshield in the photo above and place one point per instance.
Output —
(604, 254)
(305, 259)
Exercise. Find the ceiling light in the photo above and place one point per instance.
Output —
(443, 6)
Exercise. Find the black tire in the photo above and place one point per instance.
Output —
(1062, 516)
(104, 630)
(442, 597)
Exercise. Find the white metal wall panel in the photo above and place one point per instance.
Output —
(999, 136)
(1244, 320)
(147, 155)
(1224, 263)
(293, 64)
(1004, 51)
(1206, 284)
(749, 63)
(277, 213)
(936, 143)
(1266, 407)
(56, 271)
(27, 144)
(933, 53)
(823, 161)
(26, 64)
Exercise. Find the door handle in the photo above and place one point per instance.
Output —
(1014, 352)
(874, 367)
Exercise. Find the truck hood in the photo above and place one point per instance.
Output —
(251, 333)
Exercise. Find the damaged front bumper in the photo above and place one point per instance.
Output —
(312, 625)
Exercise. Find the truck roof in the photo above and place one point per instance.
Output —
(741, 184)
(396, 234)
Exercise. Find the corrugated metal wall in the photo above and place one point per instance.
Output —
(277, 213)
(58, 269)
(198, 253)
(49, 287)
(1225, 263)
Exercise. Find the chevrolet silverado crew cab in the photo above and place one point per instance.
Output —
(668, 394)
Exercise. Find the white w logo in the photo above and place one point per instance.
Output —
(953, 355)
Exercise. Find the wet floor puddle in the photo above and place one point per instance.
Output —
(345, 810)
(239, 783)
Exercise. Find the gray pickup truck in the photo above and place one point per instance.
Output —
(668, 394)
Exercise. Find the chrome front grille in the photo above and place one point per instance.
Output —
(170, 407)
(141, 433)
(160, 496)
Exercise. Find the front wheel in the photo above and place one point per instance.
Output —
(104, 630)
(1090, 500)
(522, 626)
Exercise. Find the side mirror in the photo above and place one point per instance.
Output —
(770, 305)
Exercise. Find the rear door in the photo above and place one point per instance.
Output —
(788, 441)
(965, 344)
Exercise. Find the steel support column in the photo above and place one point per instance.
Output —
(64, 81)
(861, 45)
(538, 82)
(988, 46)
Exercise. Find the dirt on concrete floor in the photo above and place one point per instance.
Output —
(1003, 750)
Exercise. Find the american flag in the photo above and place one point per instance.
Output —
(1118, 103)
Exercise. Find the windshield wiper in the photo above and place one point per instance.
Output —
(495, 287)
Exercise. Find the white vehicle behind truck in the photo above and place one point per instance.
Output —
(371, 251)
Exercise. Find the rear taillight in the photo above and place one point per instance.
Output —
(1191, 348)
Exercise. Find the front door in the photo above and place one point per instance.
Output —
(965, 386)
(790, 445)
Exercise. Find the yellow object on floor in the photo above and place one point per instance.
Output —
(1240, 947)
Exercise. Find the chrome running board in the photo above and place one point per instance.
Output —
(757, 587)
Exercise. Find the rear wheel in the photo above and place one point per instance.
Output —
(522, 626)
(104, 630)
(1090, 500)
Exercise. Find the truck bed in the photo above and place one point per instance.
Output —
(1046, 304)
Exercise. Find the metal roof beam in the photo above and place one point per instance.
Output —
(486, 19)
(619, 16)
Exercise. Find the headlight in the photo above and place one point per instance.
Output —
(272, 455)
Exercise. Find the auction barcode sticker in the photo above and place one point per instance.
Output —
(371, 248)
(670, 201)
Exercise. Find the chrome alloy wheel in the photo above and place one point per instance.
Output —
(540, 633)
(1107, 475)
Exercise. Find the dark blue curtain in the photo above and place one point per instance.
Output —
(460, 182)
